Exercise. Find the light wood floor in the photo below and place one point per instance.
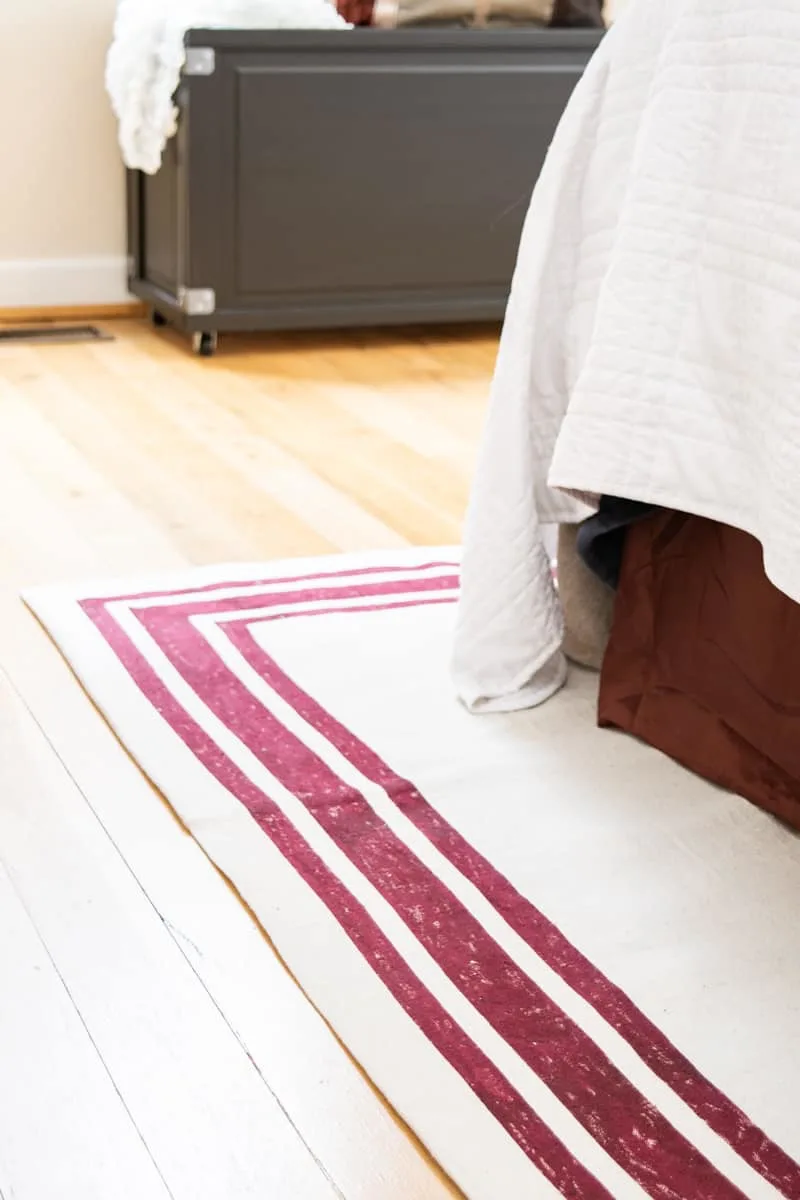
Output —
(151, 1043)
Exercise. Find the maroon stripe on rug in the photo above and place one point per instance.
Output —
(628, 1127)
(650, 1043)
(381, 592)
(654, 1048)
(322, 577)
(535, 1138)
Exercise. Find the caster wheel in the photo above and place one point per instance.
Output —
(204, 344)
(158, 319)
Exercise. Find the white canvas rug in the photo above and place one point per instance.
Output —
(570, 966)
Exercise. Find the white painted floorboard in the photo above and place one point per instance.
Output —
(64, 1131)
(212, 1126)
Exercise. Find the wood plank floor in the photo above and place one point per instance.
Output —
(152, 1044)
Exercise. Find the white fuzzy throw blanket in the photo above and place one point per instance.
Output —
(652, 343)
(146, 56)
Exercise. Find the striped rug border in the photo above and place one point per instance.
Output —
(662, 1162)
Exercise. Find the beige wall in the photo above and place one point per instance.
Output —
(62, 191)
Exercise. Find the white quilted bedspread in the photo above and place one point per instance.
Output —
(652, 342)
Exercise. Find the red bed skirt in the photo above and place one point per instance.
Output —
(704, 659)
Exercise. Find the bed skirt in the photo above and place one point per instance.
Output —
(703, 661)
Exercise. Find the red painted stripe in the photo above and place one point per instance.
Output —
(503, 1101)
(655, 1049)
(631, 1130)
(380, 591)
(650, 1043)
(324, 577)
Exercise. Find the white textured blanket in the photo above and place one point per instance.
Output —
(146, 56)
(652, 343)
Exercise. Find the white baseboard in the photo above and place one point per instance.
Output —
(63, 282)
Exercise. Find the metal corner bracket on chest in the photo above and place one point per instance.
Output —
(344, 179)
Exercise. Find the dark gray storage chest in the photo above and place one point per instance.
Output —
(347, 179)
